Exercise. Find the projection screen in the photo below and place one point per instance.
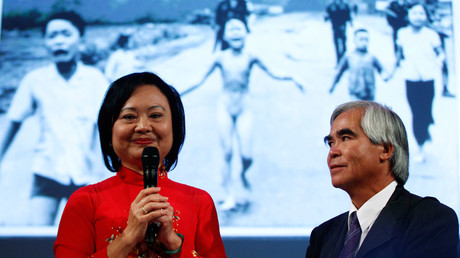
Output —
(276, 135)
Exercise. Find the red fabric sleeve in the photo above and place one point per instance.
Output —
(207, 239)
(76, 235)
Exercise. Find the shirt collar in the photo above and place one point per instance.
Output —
(77, 74)
(371, 209)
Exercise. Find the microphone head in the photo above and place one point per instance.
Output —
(150, 159)
(150, 151)
(150, 156)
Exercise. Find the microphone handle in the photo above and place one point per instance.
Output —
(152, 229)
(151, 233)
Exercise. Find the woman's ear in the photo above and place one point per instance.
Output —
(387, 152)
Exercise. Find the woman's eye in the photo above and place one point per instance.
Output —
(155, 115)
(128, 117)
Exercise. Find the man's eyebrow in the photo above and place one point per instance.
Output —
(341, 132)
(346, 131)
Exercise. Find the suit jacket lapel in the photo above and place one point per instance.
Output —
(387, 223)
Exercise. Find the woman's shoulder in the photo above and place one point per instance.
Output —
(189, 192)
(91, 190)
(188, 188)
(189, 197)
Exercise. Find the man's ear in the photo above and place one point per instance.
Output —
(387, 151)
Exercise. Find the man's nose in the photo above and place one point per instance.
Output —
(334, 151)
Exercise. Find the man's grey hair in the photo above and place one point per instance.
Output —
(383, 126)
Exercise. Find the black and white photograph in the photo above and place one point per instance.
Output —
(258, 80)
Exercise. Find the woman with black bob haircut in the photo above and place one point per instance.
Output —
(118, 93)
(111, 218)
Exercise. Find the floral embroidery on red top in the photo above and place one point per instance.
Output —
(162, 171)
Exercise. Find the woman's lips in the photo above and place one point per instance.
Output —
(143, 141)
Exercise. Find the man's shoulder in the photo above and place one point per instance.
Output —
(422, 220)
(430, 204)
(425, 206)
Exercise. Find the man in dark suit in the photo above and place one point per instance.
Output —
(368, 159)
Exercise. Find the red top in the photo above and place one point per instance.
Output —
(97, 214)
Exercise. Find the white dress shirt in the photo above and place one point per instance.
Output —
(371, 209)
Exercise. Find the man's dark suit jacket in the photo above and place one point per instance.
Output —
(408, 226)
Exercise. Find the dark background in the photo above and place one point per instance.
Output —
(240, 247)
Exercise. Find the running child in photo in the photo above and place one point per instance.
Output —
(234, 114)
(361, 66)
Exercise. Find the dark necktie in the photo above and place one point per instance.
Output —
(353, 237)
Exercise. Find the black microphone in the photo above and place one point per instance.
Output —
(150, 160)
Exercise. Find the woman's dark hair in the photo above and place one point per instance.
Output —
(117, 95)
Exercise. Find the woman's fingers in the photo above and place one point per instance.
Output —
(152, 202)
(148, 191)
(154, 207)
(148, 207)
(145, 192)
